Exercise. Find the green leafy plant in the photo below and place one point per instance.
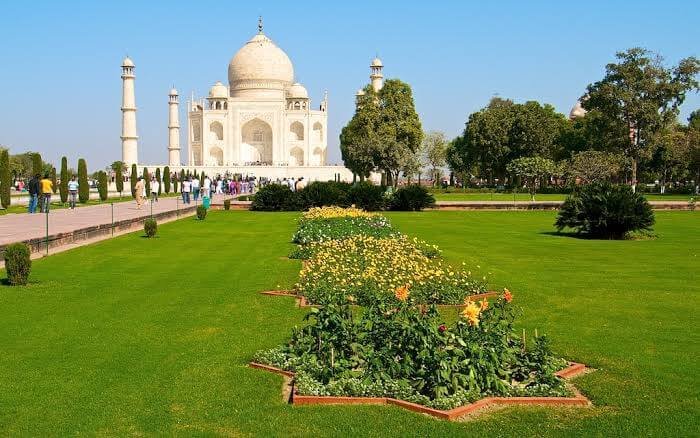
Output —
(227, 204)
(604, 210)
(201, 212)
(18, 263)
(119, 177)
(64, 180)
(367, 196)
(102, 185)
(133, 179)
(166, 179)
(150, 227)
(5, 178)
(320, 194)
(275, 197)
(411, 198)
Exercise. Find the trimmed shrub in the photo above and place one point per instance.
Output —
(119, 178)
(150, 227)
(201, 212)
(147, 181)
(227, 204)
(18, 264)
(37, 164)
(166, 179)
(102, 185)
(275, 197)
(54, 180)
(83, 187)
(604, 210)
(133, 179)
(367, 196)
(320, 194)
(5, 178)
(411, 198)
(160, 186)
(64, 180)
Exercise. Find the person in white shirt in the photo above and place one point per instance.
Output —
(73, 191)
(206, 189)
(155, 186)
(195, 188)
(186, 188)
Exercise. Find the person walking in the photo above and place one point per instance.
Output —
(140, 188)
(46, 192)
(33, 189)
(155, 185)
(194, 182)
(72, 191)
(206, 186)
(186, 188)
(300, 184)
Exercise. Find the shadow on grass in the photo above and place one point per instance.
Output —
(5, 282)
(571, 234)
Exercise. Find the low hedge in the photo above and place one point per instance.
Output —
(150, 227)
(411, 198)
(201, 212)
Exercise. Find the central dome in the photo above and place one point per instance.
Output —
(260, 67)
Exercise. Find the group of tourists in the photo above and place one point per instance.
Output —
(41, 189)
(192, 188)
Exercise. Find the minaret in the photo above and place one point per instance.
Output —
(129, 137)
(376, 76)
(173, 129)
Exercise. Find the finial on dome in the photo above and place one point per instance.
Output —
(260, 24)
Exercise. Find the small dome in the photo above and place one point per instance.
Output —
(376, 62)
(577, 111)
(360, 92)
(297, 91)
(173, 92)
(127, 62)
(218, 91)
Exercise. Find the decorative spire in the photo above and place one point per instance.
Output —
(260, 24)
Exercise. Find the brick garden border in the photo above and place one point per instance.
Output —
(573, 370)
(303, 302)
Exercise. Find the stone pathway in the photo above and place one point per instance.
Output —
(25, 226)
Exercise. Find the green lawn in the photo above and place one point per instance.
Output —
(136, 336)
(508, 197)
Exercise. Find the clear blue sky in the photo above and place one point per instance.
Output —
(61, 89)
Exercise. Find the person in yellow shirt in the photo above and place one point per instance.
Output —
(46, 192)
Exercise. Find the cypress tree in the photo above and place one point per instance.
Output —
(5, 178)
(53, 180)
(119, 178)
(147, 181)
(102, 184)
(166, 179)
(83, 187)
(160, 182)
(134, 177)
(175, 183)
(64, 180)
(182, 176)
(37, 165)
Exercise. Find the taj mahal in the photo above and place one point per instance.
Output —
(262, 123)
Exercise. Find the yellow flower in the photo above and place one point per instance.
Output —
(471, 313)
(484, 304)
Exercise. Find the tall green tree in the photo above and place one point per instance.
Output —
(160, 185)
(64, 180)
(147, 181)
(399, 128)
(5, 178)
(102, 185)
(37, 164)
(434, 151)
(182, 176)
(640, 96)
(83, 186)
(166, 179)
(133, 179)
(359, 139)
(594, 166)
(119, 176)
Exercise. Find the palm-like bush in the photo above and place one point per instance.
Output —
(606, 211)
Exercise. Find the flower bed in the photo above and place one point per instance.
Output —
(320, 230)
(402, 351)
(366, 268)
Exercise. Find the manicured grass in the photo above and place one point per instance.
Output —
(152, 336)
(508, 197)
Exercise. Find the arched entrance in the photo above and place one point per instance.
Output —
(256, 142)
(296, 156)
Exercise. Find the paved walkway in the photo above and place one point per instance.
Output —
(24, 226)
